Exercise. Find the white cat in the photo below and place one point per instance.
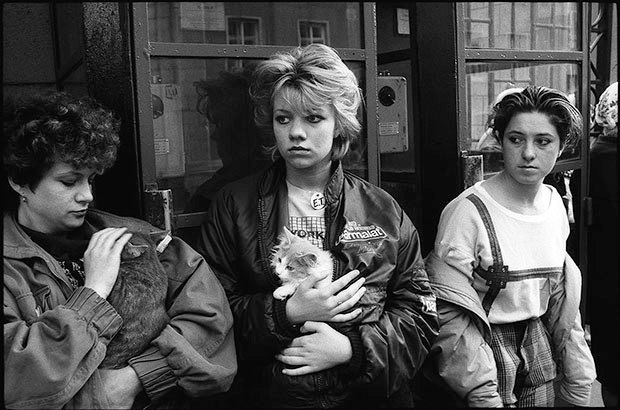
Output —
(294, 259)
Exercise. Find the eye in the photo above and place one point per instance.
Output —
(281, 119)
(543, 141)
(289, 268)
(313, 118)
(68, 183)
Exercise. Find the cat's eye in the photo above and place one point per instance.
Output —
(289, 267)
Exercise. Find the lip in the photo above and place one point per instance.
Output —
(79, 213)
(298, 149)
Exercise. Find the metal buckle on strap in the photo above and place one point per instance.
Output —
(498, 276)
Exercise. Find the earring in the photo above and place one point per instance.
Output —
(24, 199)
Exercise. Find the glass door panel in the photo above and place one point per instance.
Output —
(203, 128)
(486, 80)
(522, 26)
(337, 24)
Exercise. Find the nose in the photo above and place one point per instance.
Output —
(529, 151)
(84, 193)
(296, 130)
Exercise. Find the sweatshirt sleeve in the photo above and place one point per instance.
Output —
(63, 346)
(196, 350)
(463, 358)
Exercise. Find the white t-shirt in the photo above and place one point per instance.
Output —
(532, 246)
(304, 220)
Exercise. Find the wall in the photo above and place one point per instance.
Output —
(27, 54)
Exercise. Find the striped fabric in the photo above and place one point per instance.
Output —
(525, 365)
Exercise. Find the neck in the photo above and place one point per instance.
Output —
(525, 199)
(311, 179)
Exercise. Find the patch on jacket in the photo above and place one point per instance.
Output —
(429, 304)
(354, 232)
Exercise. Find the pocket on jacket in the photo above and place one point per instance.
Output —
(33, 304)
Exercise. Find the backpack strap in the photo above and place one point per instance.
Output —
(496, 274)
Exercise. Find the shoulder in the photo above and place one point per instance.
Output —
(371, 192)
(462, 206)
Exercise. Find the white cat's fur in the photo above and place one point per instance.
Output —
(294, 259)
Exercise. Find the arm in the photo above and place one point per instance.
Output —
(463, 359)
(76, 332)
(196, 350)
(396, 344)
(576, 364)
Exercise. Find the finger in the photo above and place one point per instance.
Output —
(292, 360)
(349, 303)
(121, 242)
(311, 327)
(345, 317)
(106, 237)
(340, 283)
(96, 238)
(292, 351)
(349, 292)
(300, 371)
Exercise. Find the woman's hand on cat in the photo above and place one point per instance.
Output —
(102, 259)
(321, 348)
(121, 386)
(325, 304)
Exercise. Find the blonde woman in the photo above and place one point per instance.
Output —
(360, 340)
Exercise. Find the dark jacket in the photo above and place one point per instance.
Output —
(366, 230)
(56, 337)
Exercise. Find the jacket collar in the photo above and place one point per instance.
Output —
(276, 175)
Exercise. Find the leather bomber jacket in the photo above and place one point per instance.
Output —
(366, 230)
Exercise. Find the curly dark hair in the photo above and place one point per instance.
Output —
(45, 129)
(554, 104)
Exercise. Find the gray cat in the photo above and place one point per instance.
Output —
(139, 297)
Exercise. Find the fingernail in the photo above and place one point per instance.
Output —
(363, 289)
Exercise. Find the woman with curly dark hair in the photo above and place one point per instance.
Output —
(507, 291)
(61, 261)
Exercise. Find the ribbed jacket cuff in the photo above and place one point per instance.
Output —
(96, 311)
(282, 324)
(154, 373)
(354, 367)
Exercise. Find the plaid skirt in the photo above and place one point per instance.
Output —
(525, 366)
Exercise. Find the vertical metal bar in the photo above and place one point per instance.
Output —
(144, 105)
(585, 150)
(461, 76)
(370, 45)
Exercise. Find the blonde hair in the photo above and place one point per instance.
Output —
(309, 77)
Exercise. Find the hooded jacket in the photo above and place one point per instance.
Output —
(56, 337)
(366, 230)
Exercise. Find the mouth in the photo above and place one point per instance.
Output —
(298, 149)
(79, 213)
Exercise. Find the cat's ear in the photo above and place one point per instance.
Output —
(131, 251)
(307, 259)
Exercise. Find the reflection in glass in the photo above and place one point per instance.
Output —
(522, 26)
(485, 82)
(204, 132)
(337, 24)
